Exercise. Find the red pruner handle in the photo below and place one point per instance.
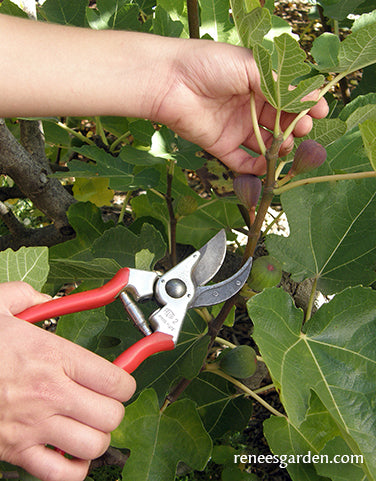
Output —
(82, 301)
(130, 359)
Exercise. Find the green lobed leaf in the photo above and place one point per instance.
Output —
(86, 220)
(116, 125)
(287, 440)
(325, 131)
(350, 110)
(291, 65)
(119, 170)
(28, 264)
(215, 20)
(368, 131)
(343, 471)
(83, 328)
(169, 146)
(7, 7)
(178, 12)
(65, 12)
(151, 434)
(64, 270)
(164, 25)
(322, 238)
(221, 408)
(122, 245)
(347, 153)
(357, 51)
(126, 18)
(366, 84)
(99, 18)
(197, 228)
(252, 22)
(339, 9)
(334, 356)
(325, 51)
(95, 190)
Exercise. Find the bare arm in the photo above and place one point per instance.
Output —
(200, 89)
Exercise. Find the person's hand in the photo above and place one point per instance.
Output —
(53, 392)
(207, 101)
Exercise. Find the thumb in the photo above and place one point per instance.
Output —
(17, 296)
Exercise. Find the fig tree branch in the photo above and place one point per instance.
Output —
(30, 171)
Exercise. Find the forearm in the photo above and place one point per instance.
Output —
(55, 70)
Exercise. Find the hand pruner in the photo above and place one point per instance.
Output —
(174, 292)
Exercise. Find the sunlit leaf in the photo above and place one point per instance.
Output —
(291, 65)
(251, 23)
(28, 264)
(95, 190)
(65, 12)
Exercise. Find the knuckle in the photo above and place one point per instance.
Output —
(98, 445)
(116, 384)
(58, 472)
(116, 416)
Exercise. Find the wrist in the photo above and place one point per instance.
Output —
(148, 64)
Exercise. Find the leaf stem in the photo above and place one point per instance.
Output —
(276, 218)
(311, 300)
(255, 124)
(100, 131)
(324, 178)
(75, 134)
(244, 388)
(262, 389)
(277, 128)
(124, 206)
(224, 342)
(119, 140)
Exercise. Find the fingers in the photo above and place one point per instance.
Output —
(98, 374)
(92, 409)
(74, 438)
(240, 161)
(17, 296)
(48, 465)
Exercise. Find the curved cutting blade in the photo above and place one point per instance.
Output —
(217, 293)
(212, 255)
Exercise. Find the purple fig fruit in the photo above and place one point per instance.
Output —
(247, 188)
(308, 156)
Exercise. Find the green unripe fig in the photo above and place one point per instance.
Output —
(239, 362)
(185, 205)
(266, 272)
